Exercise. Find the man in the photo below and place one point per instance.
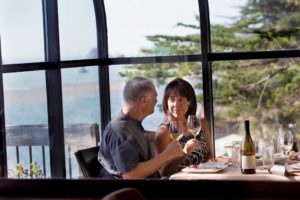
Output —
(125, 150)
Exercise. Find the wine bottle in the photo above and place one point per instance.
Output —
(248, 162)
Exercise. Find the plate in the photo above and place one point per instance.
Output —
(208, 167)
(296, 166)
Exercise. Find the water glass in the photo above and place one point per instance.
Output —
(276, 144)
(236, 153)
(268, 156)
(228, 151)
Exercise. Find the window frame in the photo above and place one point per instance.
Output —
(53, 66)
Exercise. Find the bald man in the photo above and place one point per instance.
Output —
(125, 150)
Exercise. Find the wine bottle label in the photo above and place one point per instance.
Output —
(248, 162)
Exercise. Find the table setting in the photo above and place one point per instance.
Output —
(275, 167)
(207, 167)
(275, 159)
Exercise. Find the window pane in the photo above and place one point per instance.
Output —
(26, 120)
(117, 84)
(240, 25)
(21, 29)
(81, 107)
(130, 22)
(264, 91)
(77, 29)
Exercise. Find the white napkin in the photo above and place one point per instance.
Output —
(277, 169)
(294, 169)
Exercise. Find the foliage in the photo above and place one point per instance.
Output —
(266, 90)
(35, 171)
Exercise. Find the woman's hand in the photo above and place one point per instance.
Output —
(220, 159)
(191, 145)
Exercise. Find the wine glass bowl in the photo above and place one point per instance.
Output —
(194, 125)
(176, 130)
(286, 141)
(258, 144)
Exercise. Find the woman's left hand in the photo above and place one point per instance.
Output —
(191, 145)
(220, 159)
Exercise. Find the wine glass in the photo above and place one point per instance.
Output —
(194, 125)
(268, 156)
(286, 143)
(176, 130)
(258, 143)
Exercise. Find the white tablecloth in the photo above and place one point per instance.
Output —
(234, 173)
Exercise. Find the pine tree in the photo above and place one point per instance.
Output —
(267, 89)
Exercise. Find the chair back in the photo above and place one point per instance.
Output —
(125, 194)
(208, 137)
(88, 161)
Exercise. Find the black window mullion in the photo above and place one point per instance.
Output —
(54, 90)
(206, 65)
(3, 153)
(44, 160)
(104, 89)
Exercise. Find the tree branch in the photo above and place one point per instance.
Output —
(261, 94)
(252, 86)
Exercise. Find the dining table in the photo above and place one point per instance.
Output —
(276, 173)
(228, 183)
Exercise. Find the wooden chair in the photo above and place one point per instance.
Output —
(207, 133)
(88, 161)
(125, 194)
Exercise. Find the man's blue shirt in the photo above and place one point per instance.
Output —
(124, 145)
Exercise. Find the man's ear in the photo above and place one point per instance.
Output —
(143, 99)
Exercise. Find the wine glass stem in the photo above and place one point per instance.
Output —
(286, 157)
(286, 173)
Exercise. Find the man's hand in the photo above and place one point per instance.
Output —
(174, 150)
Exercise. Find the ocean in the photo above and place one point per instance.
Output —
(25, 104)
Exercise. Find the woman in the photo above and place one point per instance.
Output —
(179, 101)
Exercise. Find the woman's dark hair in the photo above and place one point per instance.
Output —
(184, 89)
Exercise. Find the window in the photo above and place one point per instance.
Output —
(77, 30)
(81, 110)
(263, 91)
(159, 18)
(67, 62)
(21, 25)
(153, 121)
(26, 122)
(254, 25)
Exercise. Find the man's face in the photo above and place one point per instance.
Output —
(151, 100)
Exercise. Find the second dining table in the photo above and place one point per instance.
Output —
(234, 173)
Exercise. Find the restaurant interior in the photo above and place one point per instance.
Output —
(64, 63)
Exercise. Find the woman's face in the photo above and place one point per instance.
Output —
(177, 105)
